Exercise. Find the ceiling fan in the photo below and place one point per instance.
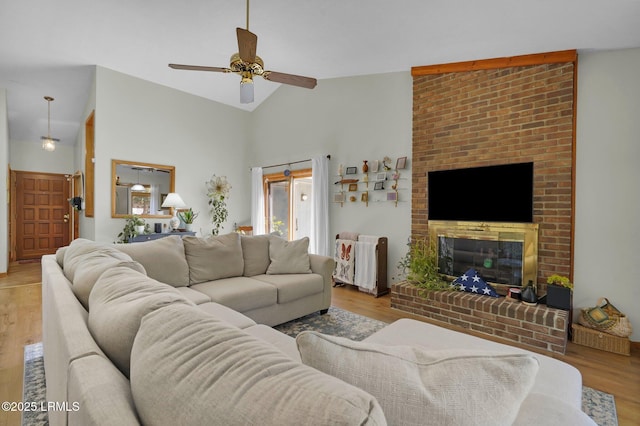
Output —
(248, 64)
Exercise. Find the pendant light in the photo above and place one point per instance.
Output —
(138, 186)
(49, 143)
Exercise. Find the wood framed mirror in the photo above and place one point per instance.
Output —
(140, 188)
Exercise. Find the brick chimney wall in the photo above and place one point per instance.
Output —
(501, 116)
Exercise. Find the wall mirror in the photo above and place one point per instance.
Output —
(139, 188)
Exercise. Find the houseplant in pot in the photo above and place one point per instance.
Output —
(188, 216)
(559, 290)
(420, 265)
(134, 226)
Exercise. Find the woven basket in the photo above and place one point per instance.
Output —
(600, 340)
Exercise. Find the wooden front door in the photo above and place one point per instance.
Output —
(42, 214)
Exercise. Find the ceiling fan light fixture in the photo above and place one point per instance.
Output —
(49, 143)
(246, 90)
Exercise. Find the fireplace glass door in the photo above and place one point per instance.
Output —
(496, 261)
(504, 254)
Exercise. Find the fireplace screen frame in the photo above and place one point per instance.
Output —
(527, 233)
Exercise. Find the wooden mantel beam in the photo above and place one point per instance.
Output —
(486, 64)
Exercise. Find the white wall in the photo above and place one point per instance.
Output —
(87, 228)
(4, 164)
(29, 156)
(607, 241)
(352, 119)
(137, 120)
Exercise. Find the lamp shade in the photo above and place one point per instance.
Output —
(174, 200)
(138, 187)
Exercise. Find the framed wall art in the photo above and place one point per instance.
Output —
(352, 170)
(401, 163)
(378, 186)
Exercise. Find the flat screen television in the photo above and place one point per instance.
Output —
(485, 194)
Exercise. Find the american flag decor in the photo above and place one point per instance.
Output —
(472, 282)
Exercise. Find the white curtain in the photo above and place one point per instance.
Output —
(257, 201)
(319, 238)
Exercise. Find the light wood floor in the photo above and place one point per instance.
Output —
(21, 324)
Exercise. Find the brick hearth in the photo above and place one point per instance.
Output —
(537, 326)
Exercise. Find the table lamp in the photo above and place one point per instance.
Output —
(174, 201)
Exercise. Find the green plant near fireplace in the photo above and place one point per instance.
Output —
(420, 265)
(559, 290)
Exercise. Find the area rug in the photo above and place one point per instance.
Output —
(600, 406)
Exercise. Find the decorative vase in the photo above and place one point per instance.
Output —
(365, 167)
(188, 227)
(528, 295)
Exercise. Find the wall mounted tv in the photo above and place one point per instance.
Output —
(485, 194)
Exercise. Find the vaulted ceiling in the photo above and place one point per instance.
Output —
(49, 48)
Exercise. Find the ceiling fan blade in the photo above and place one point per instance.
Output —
(293, 80)
(247, 45)
(198, 68)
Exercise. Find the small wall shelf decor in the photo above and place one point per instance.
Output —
(354, 186)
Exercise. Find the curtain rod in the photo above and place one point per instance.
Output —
(290, 163)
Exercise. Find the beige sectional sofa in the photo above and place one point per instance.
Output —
(131, 336)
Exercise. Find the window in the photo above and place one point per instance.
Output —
(288, 203)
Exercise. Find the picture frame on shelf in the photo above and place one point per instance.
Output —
(381, 176)
(373, 167)
(353, 187)
(352, 170)
(392, 196)
(378, 186)
(364, 197)
(401, 163)
(338, 197)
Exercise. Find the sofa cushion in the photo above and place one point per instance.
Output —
(228, 315)
(240, 293)
(189, 368)
(213, 258)
(119, 300)
(196, 297)
(556, 412)
(163, 259)
(289, 257)
(255, 251)
(82, 249)
(90, 269)
(419, 387)
(294, 286)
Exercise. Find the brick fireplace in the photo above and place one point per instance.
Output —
(496, 112)
(474, 117)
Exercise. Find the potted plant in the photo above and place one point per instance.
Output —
(188, 216)
(420, 265)
(134, 226)
(559, 290)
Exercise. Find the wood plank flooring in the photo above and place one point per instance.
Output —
(21, 324)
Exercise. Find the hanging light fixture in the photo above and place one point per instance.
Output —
(49, 143)
(138, 186)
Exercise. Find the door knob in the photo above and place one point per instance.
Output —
(66, 218)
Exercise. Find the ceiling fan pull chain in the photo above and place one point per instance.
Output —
(247, 15)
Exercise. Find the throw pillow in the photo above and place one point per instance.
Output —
(289, 257)
(419, 387)
(213, 258)
(119, 300)
(163, 259)
(190, 368)
(255, 251)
